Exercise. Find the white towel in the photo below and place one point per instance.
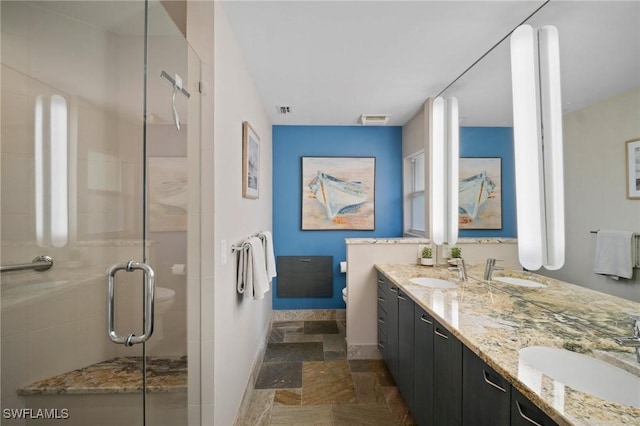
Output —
(615, 254)
(257, 283)
(270, 258)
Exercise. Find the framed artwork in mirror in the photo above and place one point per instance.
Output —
(633, 169)
(338, 193)
(480, 193)
(250, 162)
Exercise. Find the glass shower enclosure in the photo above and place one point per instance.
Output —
(99, 167)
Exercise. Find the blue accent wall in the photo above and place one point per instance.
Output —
(290, 143)
(493, 142)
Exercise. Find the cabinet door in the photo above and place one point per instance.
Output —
(382, 316)
(447, 374)
(405, 347)
(422, 409)
(525, 413)
(391, 305)
(486, 395)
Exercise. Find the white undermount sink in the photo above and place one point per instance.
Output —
(432, 282)
(582, 373)
(519, 282)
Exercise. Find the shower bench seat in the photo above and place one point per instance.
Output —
(117, 375)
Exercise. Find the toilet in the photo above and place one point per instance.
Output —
(164, 298)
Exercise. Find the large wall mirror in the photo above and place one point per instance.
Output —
(600, 72)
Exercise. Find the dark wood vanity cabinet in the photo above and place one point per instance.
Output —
(406, 339)
(422, 409)
(382, 315)
(442, 381)
(525, 413)
(486, 395)
(447, 377)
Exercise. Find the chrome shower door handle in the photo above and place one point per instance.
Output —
(149, 302)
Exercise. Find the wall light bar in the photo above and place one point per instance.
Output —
(537, 130)
(443, 169)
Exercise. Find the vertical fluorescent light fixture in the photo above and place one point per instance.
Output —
(537, 130)
(443, 182)
(51, 186)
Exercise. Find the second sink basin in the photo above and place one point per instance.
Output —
(583, 373)
(519, 282)
(432, 282)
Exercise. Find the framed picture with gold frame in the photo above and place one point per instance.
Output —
(250, 162)
(633, 169)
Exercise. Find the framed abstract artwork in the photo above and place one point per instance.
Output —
(480, 193)
(250, 162)
(338, 193)
(633, 169)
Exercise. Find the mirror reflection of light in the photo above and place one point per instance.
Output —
(530, 377)
(437, 303)
(558, 395)
(455, 320)
(51, 156)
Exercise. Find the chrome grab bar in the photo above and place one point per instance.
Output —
(40, 264)
(131, 339)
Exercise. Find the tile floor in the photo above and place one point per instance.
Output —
(305, 379)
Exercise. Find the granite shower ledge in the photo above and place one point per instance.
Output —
(118, 375)
(410, 240)
(496, 324)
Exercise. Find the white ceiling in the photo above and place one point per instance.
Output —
(332, 61)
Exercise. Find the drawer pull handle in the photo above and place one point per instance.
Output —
(486, 379)
(380, 280)
(440, 334)
(401, 297)
(394, 289)
(381, 320)
(381, 299)
(305, 260)
(425, 319)
(381, 345)
(533, 422)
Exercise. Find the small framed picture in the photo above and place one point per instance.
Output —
(250, 162)
(633, 169)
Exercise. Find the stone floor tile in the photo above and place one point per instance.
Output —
(318, 415)
(299, 336)
(362, 415)
(294, 352)
(278, 375)
(335, 355)
(368, 366)
(288, 397)
(259, 411)
(327, 382)
(333, 343)
(398, 407)
(321, 327)
(368, 388)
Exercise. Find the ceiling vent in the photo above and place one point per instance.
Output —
(374, 119)
(284, 110)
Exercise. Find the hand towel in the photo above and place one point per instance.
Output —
(257, 281)
(614, 254)
(270, 256)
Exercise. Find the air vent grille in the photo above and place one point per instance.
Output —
(284, 109)
(374, 119)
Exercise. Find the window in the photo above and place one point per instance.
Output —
(416, 196)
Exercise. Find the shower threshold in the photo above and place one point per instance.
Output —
(118, 375)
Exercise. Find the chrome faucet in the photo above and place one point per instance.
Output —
(633, 341)
(490, 268)
(459, 267)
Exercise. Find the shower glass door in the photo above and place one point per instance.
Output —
(93, 173)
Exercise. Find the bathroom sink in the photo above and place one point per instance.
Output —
(582, 373)
(519, 282)
(432, 282)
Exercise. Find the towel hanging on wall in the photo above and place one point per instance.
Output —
(616, 254)
(270, 259)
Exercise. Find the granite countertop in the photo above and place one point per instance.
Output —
(418, 240)
(496, 320)
(118, 375)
